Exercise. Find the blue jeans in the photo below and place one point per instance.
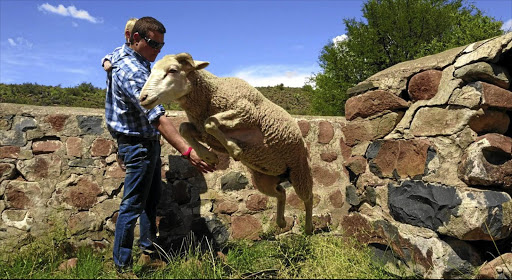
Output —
(142, 190)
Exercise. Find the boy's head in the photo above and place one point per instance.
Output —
(128, 29)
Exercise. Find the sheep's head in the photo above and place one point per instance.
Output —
(168, 80)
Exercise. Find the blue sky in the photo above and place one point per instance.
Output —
(264, 42)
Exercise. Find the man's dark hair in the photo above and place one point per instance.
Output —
(146, 24)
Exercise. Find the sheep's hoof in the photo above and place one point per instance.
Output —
(211, 159)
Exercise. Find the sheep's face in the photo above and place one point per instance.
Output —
(168, 80)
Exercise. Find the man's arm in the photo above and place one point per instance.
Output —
(171, 134)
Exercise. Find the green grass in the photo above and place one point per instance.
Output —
(285, 257)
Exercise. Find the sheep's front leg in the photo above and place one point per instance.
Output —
(191, 134)
(229, 120)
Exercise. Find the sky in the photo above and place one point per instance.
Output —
(263, 42)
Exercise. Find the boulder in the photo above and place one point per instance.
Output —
(394, 79)
(424, 85)
(375, 127)
(489, 50)
(415, 251)
(434, 121)
(490, 121)
(465, 214)
(398, 158)
(484, 71)
(371, 103)
(493, 96)
(488, 162)
(467, 96)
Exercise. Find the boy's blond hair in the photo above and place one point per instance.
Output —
(128, 28)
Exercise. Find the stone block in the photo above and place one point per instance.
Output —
(47, 146)
(9, 152)
(102, 147)
(488, 162)
(246, 227)
(256, 202)
(464, 214)
(304, 127)
(372, 103)
(233, 181)
(424, 85)
(361, 130)
(398, 158)
(56, 121)
(435, 121)
(325, 132)
(484, 71)
(74, 146)
(490, 121)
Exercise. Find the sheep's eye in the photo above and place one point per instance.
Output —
(173, 70)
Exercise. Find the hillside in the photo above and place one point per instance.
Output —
(294, 100)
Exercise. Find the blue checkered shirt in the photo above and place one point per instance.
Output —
(123, 112)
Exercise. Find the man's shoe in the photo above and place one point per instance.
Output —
(145, 260)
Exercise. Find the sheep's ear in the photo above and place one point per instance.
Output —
(201, 64)
(186, 60)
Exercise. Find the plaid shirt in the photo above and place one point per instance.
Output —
(123, 112)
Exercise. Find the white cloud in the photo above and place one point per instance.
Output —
(19, 42)
(70, 11)
(272, 75)
(340, 38)
(507, 26)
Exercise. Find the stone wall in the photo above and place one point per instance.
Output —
(420, 170)
(434, 136)
(58, 168)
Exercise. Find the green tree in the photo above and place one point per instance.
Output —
(394, 31)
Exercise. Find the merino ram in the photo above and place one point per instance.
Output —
(231, 116)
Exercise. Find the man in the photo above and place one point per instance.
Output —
(138, 131)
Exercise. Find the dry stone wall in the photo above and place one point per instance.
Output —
(420, 170)
(58, 168)
(433, 141)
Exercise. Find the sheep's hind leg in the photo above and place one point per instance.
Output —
(302, 182)
(269, 185)
(190, 133)
(229, 120)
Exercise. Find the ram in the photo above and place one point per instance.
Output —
(231, 116)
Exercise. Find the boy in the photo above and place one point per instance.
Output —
(106, 62)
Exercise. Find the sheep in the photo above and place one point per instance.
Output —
(232, 117)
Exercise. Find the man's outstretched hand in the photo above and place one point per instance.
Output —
(200, 164)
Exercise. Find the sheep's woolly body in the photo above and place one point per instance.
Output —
(282, 145)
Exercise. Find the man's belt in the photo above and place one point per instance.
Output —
(128, 139)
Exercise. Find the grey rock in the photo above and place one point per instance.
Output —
(90, 124)
(233, 181)
(422, 204)
(484, 71)
(351, 195)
